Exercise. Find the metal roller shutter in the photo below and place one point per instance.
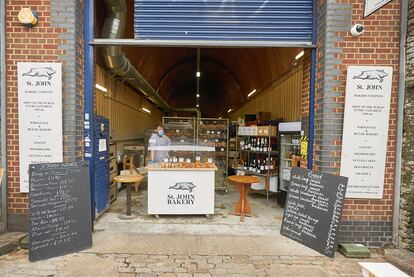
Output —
(278, 21)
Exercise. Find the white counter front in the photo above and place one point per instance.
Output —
(180, 190)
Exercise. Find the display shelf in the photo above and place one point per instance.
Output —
(214, 132)
(266, 156)
(290, 144)
(273, 152)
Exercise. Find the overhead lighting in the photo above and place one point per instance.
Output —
(230, 110)
(146, 110)
(101, 88)
(251, 93)
(220, 117)
(198, 74)
(198, 105)
(198, 95)
(300, 55)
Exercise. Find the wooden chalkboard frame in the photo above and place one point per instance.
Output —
(313, 209)
(60, 220)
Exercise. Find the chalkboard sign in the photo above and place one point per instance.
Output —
(313, 209)
(59, 209)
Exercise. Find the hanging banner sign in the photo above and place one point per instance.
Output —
(365, 130)
(40, 116)
(372, 6)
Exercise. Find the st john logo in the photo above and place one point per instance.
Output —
(372, 75)
(184, 186)
(47, 72)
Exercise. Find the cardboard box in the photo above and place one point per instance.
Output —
(267, 130)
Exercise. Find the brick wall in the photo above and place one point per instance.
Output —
(364, 221)
(56, 38)
(406, 220)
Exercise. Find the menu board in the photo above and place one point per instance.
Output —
(313, 209)
(40, 116)
(365, 131)
(59, 209)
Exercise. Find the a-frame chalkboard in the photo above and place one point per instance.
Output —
(313, 209)
(59, 209)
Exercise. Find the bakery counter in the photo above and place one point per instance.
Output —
(181, 188)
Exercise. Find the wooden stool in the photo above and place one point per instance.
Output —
(128, 163)
(128, 180)
(243, 183)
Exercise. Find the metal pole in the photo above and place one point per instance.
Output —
(400, 121)
(312, 87)
(128, 208)
(3, 116)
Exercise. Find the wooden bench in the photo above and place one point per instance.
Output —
(380, 270)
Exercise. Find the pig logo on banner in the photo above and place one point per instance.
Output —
(372, 75)
(184, 186)
(40, 72)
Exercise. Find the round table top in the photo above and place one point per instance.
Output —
(129, 178)
(244, 179)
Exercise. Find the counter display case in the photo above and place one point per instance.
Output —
(181, 131)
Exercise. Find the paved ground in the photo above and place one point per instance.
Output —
(188, 246)
(94, 264)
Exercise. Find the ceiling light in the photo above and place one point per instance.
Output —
(229, 111)
(198, 74)
(300, 55)
(251, 93)
(101, 88)
(220, 117)
(146, 110)
(198, 105)
(198, 95)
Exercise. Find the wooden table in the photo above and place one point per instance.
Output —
(243, 183)
(128, 180)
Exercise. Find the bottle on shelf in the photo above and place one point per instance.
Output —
(271, 165)
(267, 166)
(262, 167)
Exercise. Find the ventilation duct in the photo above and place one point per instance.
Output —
(116, 60)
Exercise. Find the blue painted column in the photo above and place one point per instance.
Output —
(89, 99)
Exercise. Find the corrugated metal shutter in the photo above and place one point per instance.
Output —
(279, 21)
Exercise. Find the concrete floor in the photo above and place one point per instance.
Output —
(267, 222)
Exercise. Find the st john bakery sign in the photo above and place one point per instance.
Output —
(365, 130)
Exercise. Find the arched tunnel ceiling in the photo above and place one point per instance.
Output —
(227, 74)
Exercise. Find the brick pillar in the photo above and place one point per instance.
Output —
(364, 221)
(406, 222)
(58, 37)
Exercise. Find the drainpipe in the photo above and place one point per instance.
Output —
(116, 60)
(312, 86)
(3, 115)
(400, 121)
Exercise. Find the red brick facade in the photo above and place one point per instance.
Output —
(379, 45)
(40, 44)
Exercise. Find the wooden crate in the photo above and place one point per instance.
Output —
(113, 192)
(113, 166)
(112, 150)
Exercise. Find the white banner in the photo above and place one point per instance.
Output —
(40, 116)
(365, 133)
(373, 5)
